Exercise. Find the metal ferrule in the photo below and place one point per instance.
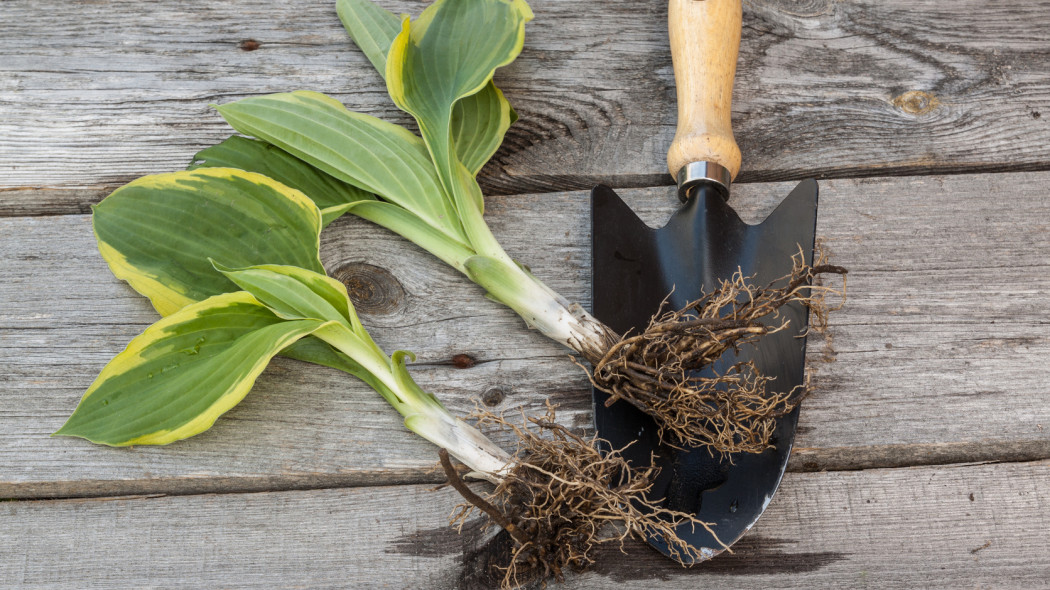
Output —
(695, 174)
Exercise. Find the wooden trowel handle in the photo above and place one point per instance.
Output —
(705, 39)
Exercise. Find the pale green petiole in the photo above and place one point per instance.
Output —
(423, 413)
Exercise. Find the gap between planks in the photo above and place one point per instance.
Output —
(44, 201)
(802, 461)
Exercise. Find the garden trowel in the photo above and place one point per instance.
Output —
(636, 268)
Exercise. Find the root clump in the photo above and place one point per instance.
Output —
(563, 498)
(659, 370)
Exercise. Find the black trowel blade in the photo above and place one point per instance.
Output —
(635, 268)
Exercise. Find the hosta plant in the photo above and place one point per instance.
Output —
(230, 258)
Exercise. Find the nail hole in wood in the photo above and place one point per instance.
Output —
(494, 396)
(463, 361)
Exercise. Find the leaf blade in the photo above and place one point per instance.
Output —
(371, 154)
(494, 32)
(253, 155)
(169, 263)
(175, 379)
(370, 27)
(479, 121)
(158, 232)
(296, 293)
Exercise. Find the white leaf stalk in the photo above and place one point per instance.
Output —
(424, 414)
(541, 307)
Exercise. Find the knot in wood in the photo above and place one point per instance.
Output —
(804, 8)
(373, 289)
(916, 102)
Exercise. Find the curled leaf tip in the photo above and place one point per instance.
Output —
(399, 356)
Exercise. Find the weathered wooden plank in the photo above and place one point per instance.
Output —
(101, 92)
(939, 355)
(959, 526)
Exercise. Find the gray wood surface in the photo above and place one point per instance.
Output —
(97, 93)
(935, 359)
(968, 526)
(921, 460)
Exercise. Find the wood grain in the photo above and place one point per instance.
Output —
(100, 92)
(938, 356)
(966, 526)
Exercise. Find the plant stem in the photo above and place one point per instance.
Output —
(423, 413)
(464, 442)
(541, 307)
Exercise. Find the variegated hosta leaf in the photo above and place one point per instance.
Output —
(327, 192)
(296, 293)
(158, 232)
(371, 154)
(451, 51)
(176, 378)
(479, 121)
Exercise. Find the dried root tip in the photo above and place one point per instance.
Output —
(564, 499)
(658, 371)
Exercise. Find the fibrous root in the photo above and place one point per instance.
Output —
(661, 370)
(564, 498)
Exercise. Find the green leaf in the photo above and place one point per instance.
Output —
(450, 52)
(176, 378)
(371, 154)
(479, 121)
(372, 28)
(295, 293)
(464, 41)
(158, 232)
(326, 191)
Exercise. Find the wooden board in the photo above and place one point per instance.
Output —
(968, 526)
(936, 358)
(100, 92)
